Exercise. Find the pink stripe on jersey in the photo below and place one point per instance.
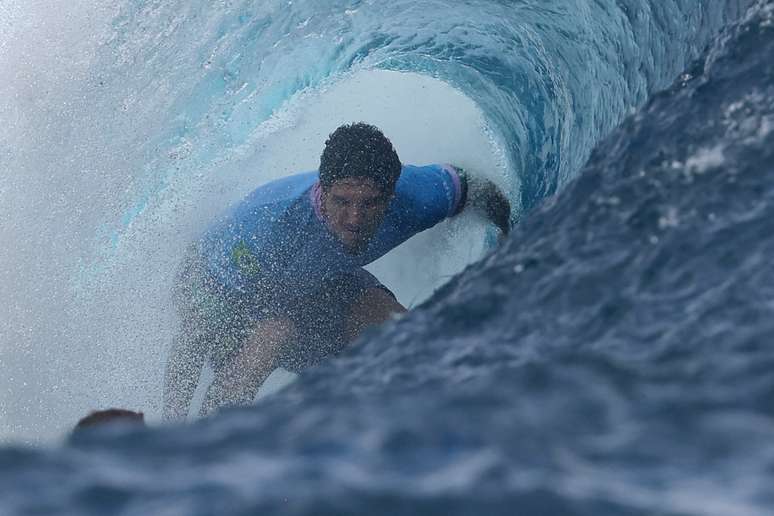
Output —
(315, 194)
(457, 188)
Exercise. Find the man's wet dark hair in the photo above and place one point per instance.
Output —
(359, 150)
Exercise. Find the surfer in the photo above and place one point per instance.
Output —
(278, 281)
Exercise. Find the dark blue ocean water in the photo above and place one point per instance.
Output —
(613, 357)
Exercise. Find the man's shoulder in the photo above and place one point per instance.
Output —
(281, 191)
(264, 223)
(256, 215)
(269, 201)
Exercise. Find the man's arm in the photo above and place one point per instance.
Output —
(184, 366)
(238, 380)
(485, 197)
(375, 306)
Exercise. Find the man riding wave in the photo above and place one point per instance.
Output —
(279, 280)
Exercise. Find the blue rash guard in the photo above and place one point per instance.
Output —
(274, 246)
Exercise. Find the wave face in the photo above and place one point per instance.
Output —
(612, 357)
(550, 77)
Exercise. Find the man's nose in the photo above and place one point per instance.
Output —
(355, 215)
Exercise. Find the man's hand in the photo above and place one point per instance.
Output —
(486, 197)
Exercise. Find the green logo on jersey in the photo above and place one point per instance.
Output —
(244, 259)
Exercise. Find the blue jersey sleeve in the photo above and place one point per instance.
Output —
(429, 194)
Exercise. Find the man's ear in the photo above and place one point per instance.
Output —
(323, 198)
(388, 194)
(391, 196)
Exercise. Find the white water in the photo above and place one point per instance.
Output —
(86, 264)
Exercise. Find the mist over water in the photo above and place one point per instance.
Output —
(99, 231)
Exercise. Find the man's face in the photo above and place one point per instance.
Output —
(354, 208)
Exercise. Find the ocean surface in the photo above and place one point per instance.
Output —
(614, 356)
